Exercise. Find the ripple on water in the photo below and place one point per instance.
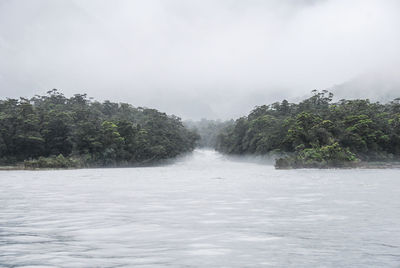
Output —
(257, 238)
(209, 251)
(186, 215)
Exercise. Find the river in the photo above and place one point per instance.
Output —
(204, 210)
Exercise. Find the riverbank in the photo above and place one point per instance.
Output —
(12, 168)
(19, 167)
(359, 165)
(151, 163)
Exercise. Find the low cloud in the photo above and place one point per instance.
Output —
(214, 59)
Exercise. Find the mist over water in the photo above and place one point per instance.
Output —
(205, 210)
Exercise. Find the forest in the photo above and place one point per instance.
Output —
(54, 131)
(317, 132)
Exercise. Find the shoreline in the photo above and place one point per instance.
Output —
(361, 165)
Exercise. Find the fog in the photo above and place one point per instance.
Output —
(212, 59)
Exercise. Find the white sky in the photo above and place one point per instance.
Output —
(205, 58)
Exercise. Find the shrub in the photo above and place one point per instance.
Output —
(319, 157)
(53, 162)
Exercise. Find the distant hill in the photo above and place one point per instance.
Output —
(373, 86)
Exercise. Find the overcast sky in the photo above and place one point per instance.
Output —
(205, 58)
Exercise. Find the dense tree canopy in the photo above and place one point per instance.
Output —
(78, 131)
(318, 132)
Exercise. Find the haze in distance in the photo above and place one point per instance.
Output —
(195, 59)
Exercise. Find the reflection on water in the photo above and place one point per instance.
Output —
(202, 211)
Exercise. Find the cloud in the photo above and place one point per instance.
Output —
(193, 58)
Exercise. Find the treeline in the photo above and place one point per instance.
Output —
(317, 132)
(56, 131)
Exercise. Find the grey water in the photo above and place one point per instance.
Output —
(204, 210)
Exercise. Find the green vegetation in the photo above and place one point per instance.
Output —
(317, 132)
(53, 131)
(53, 162)
(320, 157)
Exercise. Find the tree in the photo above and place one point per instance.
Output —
(309, 129)
(78, 130)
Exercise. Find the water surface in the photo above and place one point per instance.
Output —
(203, 211)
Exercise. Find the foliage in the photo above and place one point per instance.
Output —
(53, 162)
(319, 157)
(49, 127)
(317, 132)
